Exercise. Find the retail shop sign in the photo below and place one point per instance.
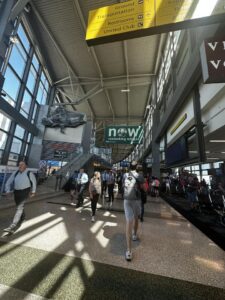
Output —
(213, 60)
(137, 18)
(123, 135)
(60, 154)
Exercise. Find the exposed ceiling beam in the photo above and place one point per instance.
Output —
(56, 46)
(18, 8)
(92, 51)
(109, 84)
(96, 90)
(127, 79)
(137, 118)
(110, 104)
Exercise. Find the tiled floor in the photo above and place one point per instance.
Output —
(169, 245)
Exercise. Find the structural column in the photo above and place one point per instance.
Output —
(199, 125)
(155, 146)
(6, 28)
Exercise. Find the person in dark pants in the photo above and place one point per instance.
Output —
(110, 185)
(82, 181)
(144, 197)
(24, 187)
(94, 191)
(72, 184)
(104, 182)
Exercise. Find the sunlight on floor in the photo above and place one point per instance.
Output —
(96, 226)
(173, 224)
(186, 242)
(79, 246)
(214, 265)
(88, 267)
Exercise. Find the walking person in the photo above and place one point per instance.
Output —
(104, 182)
(24, 187)
(82, 180)
(144, 198)
(132, 183)
(111, 185)
(73, 186)
(167, 182)
(94, 191)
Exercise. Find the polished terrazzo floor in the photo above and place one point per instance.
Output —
(169, 246)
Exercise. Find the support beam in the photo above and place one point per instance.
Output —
(92, 51)
(18, 8)
(56, 46)
(127, 79)
(4, 16)
(96, 90)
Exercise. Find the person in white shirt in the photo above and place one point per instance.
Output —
(82, 181)
(24, 187)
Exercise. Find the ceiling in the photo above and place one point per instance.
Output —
(90, 79)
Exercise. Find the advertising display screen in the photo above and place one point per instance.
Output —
(177, 152)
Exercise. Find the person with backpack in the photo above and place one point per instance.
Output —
(133, 183)
(95, 189)
(24, 183)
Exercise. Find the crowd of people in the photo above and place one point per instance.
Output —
(133, 185)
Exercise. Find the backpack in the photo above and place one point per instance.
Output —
(131, 188)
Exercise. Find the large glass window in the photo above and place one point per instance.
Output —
(40, 94)
(19, 132)
(11, 89)
(29, 137)
(16, 145)
(3, 139)
(26, 102)
(34, 113)
(35, 62)
(23, 37)
(43, 89)
(14, 78)
(31, 79)
(18, 59)
(26, 149)
(4, 122)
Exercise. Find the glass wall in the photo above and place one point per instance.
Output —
(26, 87)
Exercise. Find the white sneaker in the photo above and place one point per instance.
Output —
(128, 255)
(92, 219)
(134, 237)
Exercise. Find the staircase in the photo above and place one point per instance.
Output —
(59, 179)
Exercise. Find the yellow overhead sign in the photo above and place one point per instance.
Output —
(172, 11)
(135, 18)
(120, 18)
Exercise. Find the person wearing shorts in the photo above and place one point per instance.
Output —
(132, 209)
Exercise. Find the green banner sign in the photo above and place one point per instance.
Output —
(123, 134)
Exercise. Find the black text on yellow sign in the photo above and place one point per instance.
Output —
(135, 18)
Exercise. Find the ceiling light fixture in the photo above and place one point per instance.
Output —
(217, 141)
(125, 91)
